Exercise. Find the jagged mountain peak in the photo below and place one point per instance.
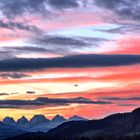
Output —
(58, 118)
(8, 120)
(76, 118)
(22, 120)
(38, 119)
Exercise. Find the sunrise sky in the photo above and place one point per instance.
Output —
(69, 57)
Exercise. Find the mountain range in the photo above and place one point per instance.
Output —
(39, 123)
(121, 126)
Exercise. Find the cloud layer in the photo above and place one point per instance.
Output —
(127, 9)
(15, 8)
(41, 101)
(74, 61)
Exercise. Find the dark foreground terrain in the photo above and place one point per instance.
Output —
(40, 136)
(123, 126)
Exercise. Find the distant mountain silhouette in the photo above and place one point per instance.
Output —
(58, 118)
(121, 126)
(38, 123)
(77, 118)
(9, 121)
(22, 121)
(38, 119)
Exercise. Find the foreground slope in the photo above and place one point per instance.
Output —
(117, 124)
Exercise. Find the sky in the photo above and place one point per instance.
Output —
(69, 57)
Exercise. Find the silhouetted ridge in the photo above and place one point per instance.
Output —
(120, 124)
(136, 112)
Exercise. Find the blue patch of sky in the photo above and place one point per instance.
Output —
(92, 31)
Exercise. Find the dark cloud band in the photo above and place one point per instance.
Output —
(13, 75)
(41, 101)
(73, 61)
(121, 99)
(4, 94)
